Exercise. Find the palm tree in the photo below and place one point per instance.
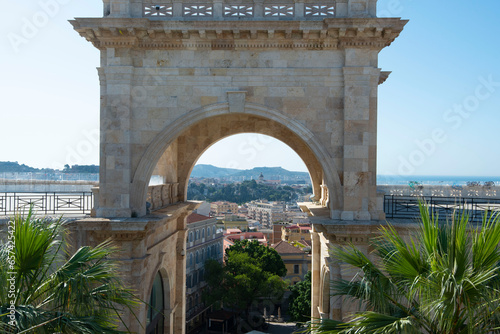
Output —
(44, 290)
(443, 279)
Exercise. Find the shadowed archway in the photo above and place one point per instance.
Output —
(188, 137)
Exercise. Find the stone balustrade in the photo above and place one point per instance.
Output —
(158, 196)
(162, 195)
(479, 191)
(243, 9)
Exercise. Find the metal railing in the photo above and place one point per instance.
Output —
(46, 203)
(406, 207)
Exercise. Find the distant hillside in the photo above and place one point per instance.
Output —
(270, 173)
(212, 171)
(15, 167)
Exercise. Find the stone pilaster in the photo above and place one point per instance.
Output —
(180, 289)
(115, 171)
(359, 177)
(315, 277)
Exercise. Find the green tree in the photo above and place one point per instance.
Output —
(267, 258)
(252, 272)
(46, 291)
(300, 300)
(444, 279)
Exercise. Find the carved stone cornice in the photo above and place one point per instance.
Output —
(383, 76)
(140, 33)
(359, 232)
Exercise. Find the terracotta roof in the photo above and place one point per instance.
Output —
(284, 247)
(232, 231)
(293, 227)
(246, 235)
(194, 217)
(306, 242)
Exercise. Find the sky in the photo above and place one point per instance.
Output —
(438, 113)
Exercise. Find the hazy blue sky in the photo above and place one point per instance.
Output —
(439, 112)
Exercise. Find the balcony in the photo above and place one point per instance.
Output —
(407, 207)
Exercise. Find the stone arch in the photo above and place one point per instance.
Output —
(166, 284)
(317, 159)
(167, 298)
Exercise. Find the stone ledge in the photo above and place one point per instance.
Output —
(374, 33)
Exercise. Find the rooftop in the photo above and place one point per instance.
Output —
(284, 247)
(194, 217)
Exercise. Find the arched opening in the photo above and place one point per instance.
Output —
(325, 291)
(174, 152)
(240, 167)
(156, 307)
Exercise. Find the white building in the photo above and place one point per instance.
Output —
(266, 212)
(203, 242)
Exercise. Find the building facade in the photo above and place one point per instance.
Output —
(203, 242)
(297, 260)
(298, 232)
(221, 207)
(266, 212)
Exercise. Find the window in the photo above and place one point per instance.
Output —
(203, 234)
(295, 268)
(191, 259)
(197, 233)
(197, 258)
(155, 318)
(208, 231)
(190, 236)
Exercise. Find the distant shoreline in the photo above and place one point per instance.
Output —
(381, 179)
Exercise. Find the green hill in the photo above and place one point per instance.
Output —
(270, 173)
(212, 171)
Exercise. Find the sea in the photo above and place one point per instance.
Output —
(381, 179)
(436, 180)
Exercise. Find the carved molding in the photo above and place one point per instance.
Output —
(327, 34)
(383, 76)
(118, 235)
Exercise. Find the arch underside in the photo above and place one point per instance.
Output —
(182, 143)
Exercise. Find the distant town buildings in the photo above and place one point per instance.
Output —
(235, 221)
(273, 183)
(266, 212)
(204, 241)
(297, 260)
(233, 235)
(296, 232)
(274, 224)
(220, 207)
